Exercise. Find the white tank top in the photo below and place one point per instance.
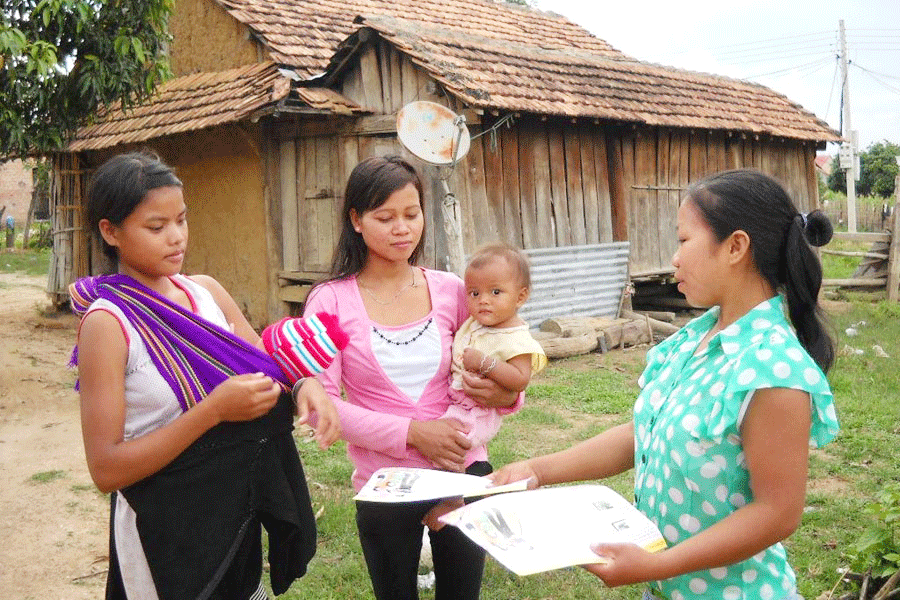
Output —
(150, 402)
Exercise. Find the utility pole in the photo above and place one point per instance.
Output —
(849, 159)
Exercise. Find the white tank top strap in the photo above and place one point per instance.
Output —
(202, 300)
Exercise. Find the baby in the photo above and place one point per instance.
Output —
(303, 347)
(494, 341)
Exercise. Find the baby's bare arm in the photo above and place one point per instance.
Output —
(514, 374)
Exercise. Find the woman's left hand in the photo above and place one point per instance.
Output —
(625, 564)
(312, 397)
(431, 517)
(487, 392)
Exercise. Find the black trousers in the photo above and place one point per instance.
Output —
(391, 539)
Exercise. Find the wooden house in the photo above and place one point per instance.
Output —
(573, 143)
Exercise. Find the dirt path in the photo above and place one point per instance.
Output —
(53, 522)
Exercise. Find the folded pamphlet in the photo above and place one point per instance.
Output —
(527, 531)
(555, 527)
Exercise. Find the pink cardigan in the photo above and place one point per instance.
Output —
(376, 415)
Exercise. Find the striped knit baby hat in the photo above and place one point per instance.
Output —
(304, 347)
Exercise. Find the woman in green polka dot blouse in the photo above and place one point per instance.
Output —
(729, 405)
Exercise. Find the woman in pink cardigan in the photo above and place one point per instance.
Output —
(395, 373)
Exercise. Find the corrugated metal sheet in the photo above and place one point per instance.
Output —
(582, 281)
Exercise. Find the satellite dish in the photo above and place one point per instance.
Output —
(433, 133)
(437, 136)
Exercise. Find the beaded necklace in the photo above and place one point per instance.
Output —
(409, 341)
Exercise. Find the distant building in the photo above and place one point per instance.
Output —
(823, 165)
(15, 190)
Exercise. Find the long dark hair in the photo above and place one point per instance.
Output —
(780, 239)
(119, 185)
(370, 184)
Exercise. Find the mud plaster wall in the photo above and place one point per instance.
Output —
(223, 189)
(206, 38)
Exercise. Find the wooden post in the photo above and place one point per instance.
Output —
(893, 277)
(453, 230)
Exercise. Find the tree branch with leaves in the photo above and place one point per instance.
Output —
(63, 60)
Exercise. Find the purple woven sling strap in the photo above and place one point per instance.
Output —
(192, 354)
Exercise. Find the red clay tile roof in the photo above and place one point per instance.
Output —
(488, 73)
(491, 55)
(187, 104)
(304, 34)
(328, 100)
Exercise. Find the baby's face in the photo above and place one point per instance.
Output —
(494, 293)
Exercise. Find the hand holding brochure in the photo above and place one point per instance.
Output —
(550, 528)
(525, 531)
(400, 484)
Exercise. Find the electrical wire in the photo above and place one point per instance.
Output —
(831, 91)
(776, 39)
(870, 74)
(815, 63)
(773, 48)
(754, 47)
(783, 57)
(876, 72)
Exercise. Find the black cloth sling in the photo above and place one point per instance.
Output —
(199, 517)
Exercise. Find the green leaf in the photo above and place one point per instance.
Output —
(138, 49)
(870, 538)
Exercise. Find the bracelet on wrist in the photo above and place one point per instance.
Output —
(296, 390)
(484, 371)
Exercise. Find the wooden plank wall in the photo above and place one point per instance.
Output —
(657, 165)
(549, 182)
(537, 184)
(75, 251)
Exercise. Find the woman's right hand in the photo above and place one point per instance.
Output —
(442, 441)
(516, 471)
(243, 397)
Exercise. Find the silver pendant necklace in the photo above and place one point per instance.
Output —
(397, 295)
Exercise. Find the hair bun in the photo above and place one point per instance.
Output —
(817, 228)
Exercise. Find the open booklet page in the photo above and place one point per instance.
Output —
(550, 528)
(399, 484)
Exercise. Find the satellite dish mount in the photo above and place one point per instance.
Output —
(439, 137)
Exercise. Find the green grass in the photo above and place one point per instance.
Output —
(30, 262)
(47, 476)
(574, 399)
(842, 267)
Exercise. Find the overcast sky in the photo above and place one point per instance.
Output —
(788, 45)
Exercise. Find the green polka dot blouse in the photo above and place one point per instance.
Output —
(690, 470)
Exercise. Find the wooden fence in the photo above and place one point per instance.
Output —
(887, 243)
(870, 216)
